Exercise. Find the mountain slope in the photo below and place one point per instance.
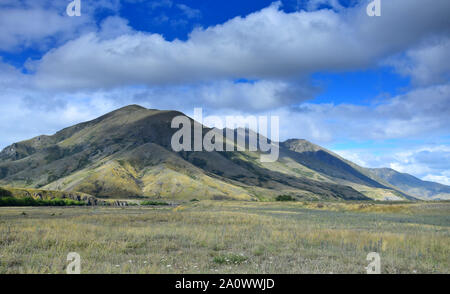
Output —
(313, 161)
(413, 185)
(324, 161)
(94, 157)
(127, 153)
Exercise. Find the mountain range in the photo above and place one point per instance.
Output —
(127, 154)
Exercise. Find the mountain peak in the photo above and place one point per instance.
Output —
(301, 145)
(127, 109)
(132, 107)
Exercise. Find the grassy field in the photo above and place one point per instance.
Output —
(228, 237)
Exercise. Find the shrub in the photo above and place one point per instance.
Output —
(28, 201)
(5, 193)
(153, 203)
(285, 198)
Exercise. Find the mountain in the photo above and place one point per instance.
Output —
(127, 153)
(412, 185)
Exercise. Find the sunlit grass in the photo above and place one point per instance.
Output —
(228, 237)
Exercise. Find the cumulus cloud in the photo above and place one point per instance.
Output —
(419, 113)
(266, 44)
(41, 24)
(428, 163)
(443, 179)
(423, 160)
(26, 113)
(114, 26)
(426, 64)
(11, 77)
(225, 96)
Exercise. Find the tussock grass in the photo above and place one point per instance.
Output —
(227, 237)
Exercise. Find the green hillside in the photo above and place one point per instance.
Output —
(127, 153)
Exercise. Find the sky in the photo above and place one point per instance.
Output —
(376, 90)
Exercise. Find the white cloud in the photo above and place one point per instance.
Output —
(444, 179)
(417, 114)
(114, 26)
(26, 113)
(426, 64)
(11, 77)
(268, 44)
(42, 24)
(223, 96)
(189, 12)
(427, 163)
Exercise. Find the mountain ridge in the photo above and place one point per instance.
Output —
(413, 185)
(127, 153)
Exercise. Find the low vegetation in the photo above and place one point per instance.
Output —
(285, 198)
(228, 237)
(5, 193)
(153, 203)
(22, 197)
(11, 201)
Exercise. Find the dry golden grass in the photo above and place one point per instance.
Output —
(228, 237)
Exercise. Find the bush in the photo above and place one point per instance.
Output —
(285, 198)
(153, 203)
(28, 201)
(5, 193)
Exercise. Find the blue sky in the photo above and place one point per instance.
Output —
(374, 89)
